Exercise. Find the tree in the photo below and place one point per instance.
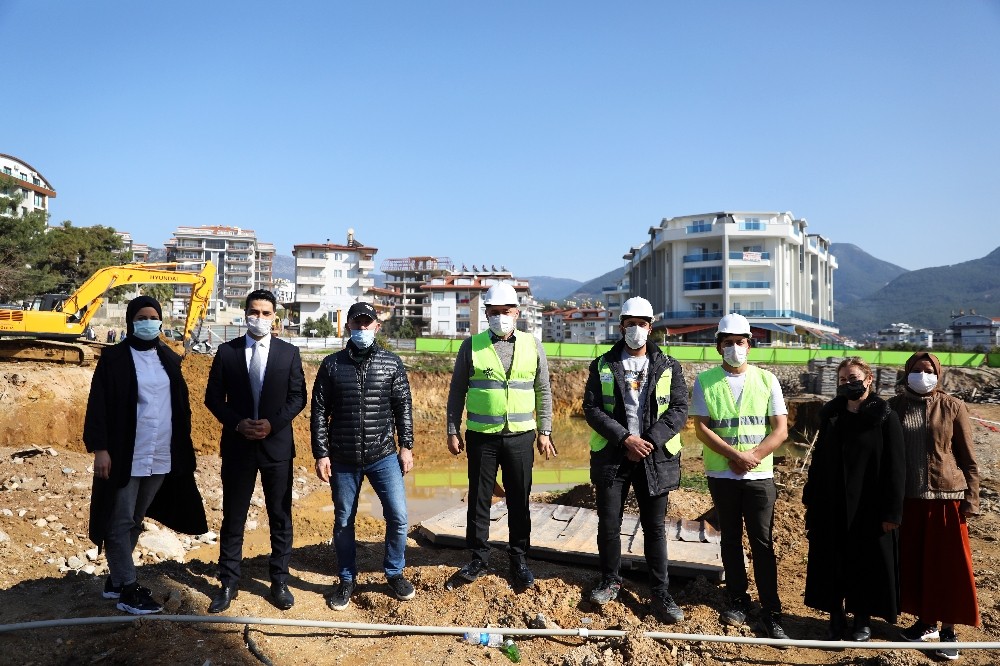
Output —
(69, 255)
(21, 239)
(323, 327)
(161, 292)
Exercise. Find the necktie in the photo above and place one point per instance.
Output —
(255, 378)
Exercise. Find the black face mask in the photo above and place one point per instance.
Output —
(852, 390)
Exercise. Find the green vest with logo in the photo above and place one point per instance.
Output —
(495, 400)
(662, 393)
(742, 428)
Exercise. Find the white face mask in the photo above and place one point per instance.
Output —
(259, 326)
(735, 356)
(921, 382)
(501, 325)
(635, 336)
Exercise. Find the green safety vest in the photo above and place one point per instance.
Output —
(495, 400)
(662, 393)
(744, 428)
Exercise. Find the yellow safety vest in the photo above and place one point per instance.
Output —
(661, 395)
(743, 428)
(495, 400)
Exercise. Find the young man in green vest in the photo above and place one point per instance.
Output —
(636, 402)
(501, 377)
(740, 417)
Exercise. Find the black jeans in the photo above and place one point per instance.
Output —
(652, 510)
(750, 502)
(514, 453)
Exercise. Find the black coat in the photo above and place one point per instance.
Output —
(282, 397)
(855, 483)
(110, 426)
(663, 471)
(360, 404)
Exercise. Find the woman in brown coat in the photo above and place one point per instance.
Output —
(942, 491)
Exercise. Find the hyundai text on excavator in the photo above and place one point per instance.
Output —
(52, 328)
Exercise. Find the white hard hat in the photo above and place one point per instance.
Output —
(734, 324)
(637, 306)
(500, 294)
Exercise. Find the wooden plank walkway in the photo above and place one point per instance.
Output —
(569, 534)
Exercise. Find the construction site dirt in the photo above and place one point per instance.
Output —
(49, 570)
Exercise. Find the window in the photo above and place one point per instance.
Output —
(338, 256)
(36, 181)
(338, 291)
(338, 273)
(7, 171)
(39, 201)
(444, 311)
(699, 227)
(703, 278)
(438, 296)
(24, 176)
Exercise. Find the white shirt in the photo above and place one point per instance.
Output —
(265, 345)
(154, 418)
(775, 407)
(634, 396)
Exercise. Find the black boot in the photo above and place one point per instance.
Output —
(837, 623)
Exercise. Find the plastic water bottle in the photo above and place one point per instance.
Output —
(510, 649)
(489, 640)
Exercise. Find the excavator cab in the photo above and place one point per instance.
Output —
(48, 302)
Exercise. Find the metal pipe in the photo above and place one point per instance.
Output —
(581, 632)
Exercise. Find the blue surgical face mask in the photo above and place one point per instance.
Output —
(146, 329)
(363, 339)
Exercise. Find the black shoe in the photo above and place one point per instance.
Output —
(667, 610)
(521, 576)
(281, 596)
(771, 622)
(861, 632)
(919, 631)
(473, 570)
(110, 590)
(949, 653)
(605, 592)
(137, 600)
(401, 588)
(223, 598)
(340, 598)
(736, 615)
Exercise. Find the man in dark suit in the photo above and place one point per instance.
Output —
(255, 388)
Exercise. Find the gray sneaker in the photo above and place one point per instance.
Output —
(605, 592)
(665, 608)
(949, 653)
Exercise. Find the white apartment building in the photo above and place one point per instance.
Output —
(34, 190)
(614, 297)
(242, 262)
(696, 268)
(969, 331)
(330, 277)
(140, 251)
(903, 333)
(455, 302)
(577, 325)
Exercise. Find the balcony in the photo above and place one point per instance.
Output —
(237, 271)
(366, 265)
(703, 285)
(366, 282)
(310, 279)
(749, 284)
(706, 256)
(308, 298)
(752, 226)
(750, 256)
(699, 228)
(238, 259)
(310, 262)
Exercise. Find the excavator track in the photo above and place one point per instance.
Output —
(48, 351)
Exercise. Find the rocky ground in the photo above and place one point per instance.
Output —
(49, 570)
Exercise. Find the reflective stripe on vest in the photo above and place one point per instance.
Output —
(495, 400)
(662, 395)
(743, 428)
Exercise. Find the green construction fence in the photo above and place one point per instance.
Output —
(767, 355)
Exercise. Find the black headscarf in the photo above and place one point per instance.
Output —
(133, 308)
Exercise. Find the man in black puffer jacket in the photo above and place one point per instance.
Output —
(360, 406)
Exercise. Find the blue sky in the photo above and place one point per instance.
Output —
(546, 136)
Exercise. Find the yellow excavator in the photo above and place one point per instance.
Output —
(51, 328)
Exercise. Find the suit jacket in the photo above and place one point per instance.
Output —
(282, 396)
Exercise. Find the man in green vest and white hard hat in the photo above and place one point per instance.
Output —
(636, 401)
(740, 417)
(501, 378)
